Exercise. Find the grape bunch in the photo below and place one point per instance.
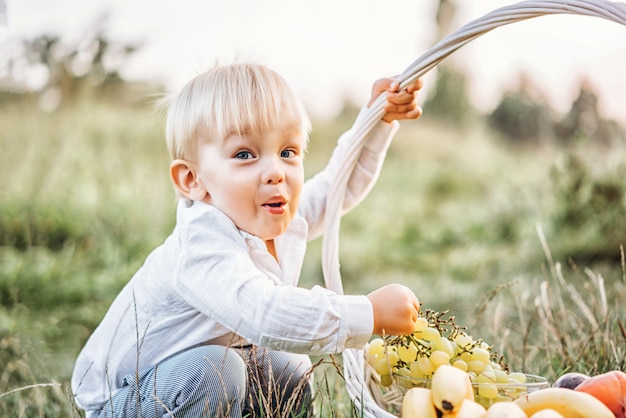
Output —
(436, 341)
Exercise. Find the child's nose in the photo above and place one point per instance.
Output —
(273, 172)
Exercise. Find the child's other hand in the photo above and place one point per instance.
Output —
(400, 103)
(395, 310)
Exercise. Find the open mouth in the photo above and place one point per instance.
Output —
(275, 205)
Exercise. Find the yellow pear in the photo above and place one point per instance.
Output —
(418, 403)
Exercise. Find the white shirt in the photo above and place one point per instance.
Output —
(210, 282)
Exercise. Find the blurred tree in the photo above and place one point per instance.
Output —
(57, 72)
(583, 116)
(520, 117)
(449, 100)
(446, 10)
(583, 121)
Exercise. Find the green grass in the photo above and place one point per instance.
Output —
(455, 215)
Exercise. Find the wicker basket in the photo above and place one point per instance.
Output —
(362, 385)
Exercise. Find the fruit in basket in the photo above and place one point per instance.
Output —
(418, 403)
(547, 413)
(609, 388)
(505, 409)
(450, 387)
(567, 402)
(411, 360)
(570, 380)
(469, 409)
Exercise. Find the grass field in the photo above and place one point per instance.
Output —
(522, 244)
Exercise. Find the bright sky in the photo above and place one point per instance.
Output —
(328, 49)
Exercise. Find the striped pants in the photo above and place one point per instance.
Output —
(216, 381)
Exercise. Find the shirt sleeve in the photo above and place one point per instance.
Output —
(362, 178)
(217, 276)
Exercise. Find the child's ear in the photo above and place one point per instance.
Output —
(186, 181)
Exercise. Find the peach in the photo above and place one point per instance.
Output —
(609, 388)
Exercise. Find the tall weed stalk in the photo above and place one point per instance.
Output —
(568, 320)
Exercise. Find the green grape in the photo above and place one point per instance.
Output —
(425, 366)
(407, 354)
(487, 390)
(376, 347)
(416, 373)
(382, 366)
(518, 377)
(501, 376)
(460, 364)
(385, 380)
(429, 334)
(445, 345)
(462, 340)
(393, 357)
(495, 365)
(455, 348)
(475, 366)
(488, 369)
(437, 358)
(480, 354)
(486, 377)
(421, 324)
(403, 371)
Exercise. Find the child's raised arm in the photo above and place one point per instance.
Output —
(400, 103)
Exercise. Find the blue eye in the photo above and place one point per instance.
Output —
(287, 153)
(244, 155)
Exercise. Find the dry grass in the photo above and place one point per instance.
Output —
(569, 320)
(33, 401)
(36, 400)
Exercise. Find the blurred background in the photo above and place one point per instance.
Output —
(328, 50)
(508, 192)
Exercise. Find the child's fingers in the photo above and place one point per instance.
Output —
(394, 87)
(415, 86)
(383, 85)
(400, 107)
(413, 113)
(401, 98)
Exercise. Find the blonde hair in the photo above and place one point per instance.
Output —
(228, 100)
